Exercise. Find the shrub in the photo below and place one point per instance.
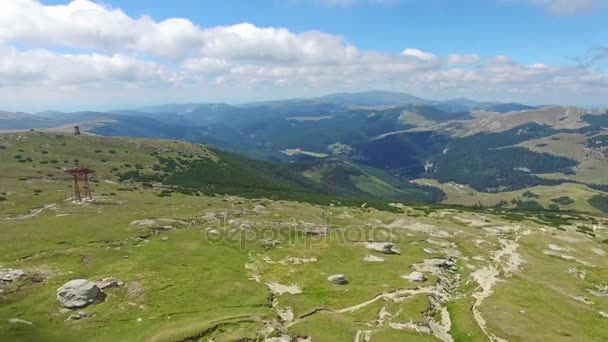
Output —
(44, 152)
(112, 151)
(18, 156)
(2, 199)
(530, 194)
(564, 200)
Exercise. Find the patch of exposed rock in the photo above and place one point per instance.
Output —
(107, 283)
(78, 293)
(280, 289)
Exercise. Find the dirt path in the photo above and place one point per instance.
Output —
(505, 259)
(33, 212)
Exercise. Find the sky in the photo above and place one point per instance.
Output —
(100, 55)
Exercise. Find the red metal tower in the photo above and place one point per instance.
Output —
(81, 174)
(331, 185)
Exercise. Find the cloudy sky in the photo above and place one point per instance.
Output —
(84, 54)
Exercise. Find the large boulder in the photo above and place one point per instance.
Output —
(338, 279)
(77, 293)
(383, 247)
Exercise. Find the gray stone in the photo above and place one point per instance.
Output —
(383, 247)
(9, 275)
(77, 293)
(373, 258)
(337, 279)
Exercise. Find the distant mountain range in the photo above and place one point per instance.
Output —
(378, 141)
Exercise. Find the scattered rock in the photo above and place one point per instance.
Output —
(416, 276)
(383, 247)
(107, 283)
(162, 224)
(78, 293)
(338, 279)
(429, 250)
(603, 314)
(9, 275)
(373, 258)
(164, 238)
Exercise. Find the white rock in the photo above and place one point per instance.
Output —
(337, 279)
(415, 276)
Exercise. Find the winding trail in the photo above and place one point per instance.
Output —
(506, 259)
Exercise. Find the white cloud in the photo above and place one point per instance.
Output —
(567, 7)
(175, 59)
(458, 59)
(425, 56)
(45, 68)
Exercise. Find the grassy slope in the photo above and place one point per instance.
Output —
(464, 195)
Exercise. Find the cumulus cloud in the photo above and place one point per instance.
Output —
(46, 68)
(116, 51)
(425, 56)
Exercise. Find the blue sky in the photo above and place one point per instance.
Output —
(534, 51)
(527, 33)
